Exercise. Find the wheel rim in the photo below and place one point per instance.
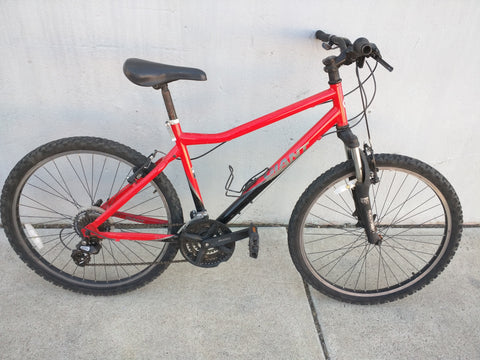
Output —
(50, 198)
(411, 215)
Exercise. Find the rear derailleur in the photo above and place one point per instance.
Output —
(81, 255)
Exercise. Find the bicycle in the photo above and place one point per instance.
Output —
(96, 217)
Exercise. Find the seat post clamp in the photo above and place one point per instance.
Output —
(169, 124)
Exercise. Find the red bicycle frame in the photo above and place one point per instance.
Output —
(336, 116)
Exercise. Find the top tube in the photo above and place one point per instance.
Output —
(198, 139)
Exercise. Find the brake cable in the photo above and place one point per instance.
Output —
(363, 113)
(360, 86)
(368, 148)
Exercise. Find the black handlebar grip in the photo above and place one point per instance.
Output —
(362, 47)
(320, 35)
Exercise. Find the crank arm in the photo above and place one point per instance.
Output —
(227, 238)
(219, 240)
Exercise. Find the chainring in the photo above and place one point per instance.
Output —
(195, 252)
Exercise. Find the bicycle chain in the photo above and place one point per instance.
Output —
(144, 263)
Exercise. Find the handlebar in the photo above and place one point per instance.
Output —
(349, 53)
(342, 43)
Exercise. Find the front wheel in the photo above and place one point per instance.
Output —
(416, 211)
(59, 188)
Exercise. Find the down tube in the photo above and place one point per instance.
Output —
(307, 140)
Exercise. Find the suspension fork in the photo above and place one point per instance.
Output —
(360, 193)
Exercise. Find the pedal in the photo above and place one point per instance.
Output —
(253, 242)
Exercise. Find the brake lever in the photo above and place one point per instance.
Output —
(361, 61)
(328, 46)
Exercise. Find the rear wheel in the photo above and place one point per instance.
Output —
(416, 211)
(57, 189)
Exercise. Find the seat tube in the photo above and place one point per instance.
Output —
(192, 179)
(173, 125)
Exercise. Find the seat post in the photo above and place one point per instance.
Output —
(167, 98)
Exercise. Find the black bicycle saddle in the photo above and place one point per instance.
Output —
(148, 73)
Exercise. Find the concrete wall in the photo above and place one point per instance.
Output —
(61, 75)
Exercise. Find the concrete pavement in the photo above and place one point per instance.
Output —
(243, 309)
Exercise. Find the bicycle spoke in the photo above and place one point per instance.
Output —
(337, 260)
(45, 207)
(335, 211)
(331, 223)
(58, 255)
(85, 187)
(385, 266)
(410, 228)
(326, 237)
(405, 201)
(115, 260)
(64, 187)
(380, 215)
(44, 224)
(142, 245)
(394, 262)
(375, 191)
(99, 178)
(351, 268)
(54, 193)
(363, 266)
(346, 212)
(139, 204)
(89, 191)
(416, 214)
(114, 180)
(348, 247)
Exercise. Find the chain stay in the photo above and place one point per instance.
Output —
(138, 264)
(145, 263)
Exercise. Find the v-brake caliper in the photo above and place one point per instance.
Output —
(361, 196)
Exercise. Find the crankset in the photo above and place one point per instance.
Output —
(207, 243)
(196, 243)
